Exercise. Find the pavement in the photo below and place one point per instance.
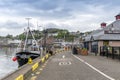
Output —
(66, 66)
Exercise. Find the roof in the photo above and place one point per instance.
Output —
(103, 23)
(115, 25)
(109, 37)
(118, 14)
(113, 29)
(87, 38)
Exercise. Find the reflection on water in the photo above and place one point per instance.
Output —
(6, 64)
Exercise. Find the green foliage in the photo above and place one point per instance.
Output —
(53, 30)
(21, 36)
(36, 33)
(62, 34)
(9, 36)
(70, 38)
(84, 49)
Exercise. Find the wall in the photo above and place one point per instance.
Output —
(90, 43)
(114, 43)
(100, 43)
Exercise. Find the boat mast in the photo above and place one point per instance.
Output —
(28, 19)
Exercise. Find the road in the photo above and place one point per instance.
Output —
(65, 66)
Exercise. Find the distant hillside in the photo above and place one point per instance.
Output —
(54, 30)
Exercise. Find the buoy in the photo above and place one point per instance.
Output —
(14, 58)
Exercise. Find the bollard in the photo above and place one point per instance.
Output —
(20, 77)
(35, 66)
(43, 60)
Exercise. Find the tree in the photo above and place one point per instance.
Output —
(9, 36)
(62, 34)
(21, 36)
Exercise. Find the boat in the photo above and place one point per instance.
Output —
(27, 50)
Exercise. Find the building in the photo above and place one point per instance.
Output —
(6, 42)
(52, 34)
(105, 38)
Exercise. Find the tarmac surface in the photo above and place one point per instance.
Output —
(66, 66)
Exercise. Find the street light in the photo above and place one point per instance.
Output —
(65, 36)
(45, 36)
(41, 47)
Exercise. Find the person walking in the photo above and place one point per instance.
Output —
(74, 50)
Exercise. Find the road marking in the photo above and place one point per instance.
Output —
(40, 69)
(64, 63)
(32, 74)
(63, 56)
(69, 63)
(33, 78)
(46, 62)
(43, 66)
(37, 72)
(94, 68)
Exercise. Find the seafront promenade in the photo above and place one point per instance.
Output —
(66, 66)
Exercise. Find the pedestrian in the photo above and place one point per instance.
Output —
(74, 50)
(95, 51)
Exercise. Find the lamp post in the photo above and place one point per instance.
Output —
(41, 47)
(65, 36)
(45, 36)
(43, 42)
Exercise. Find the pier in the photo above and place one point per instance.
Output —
(65, 66)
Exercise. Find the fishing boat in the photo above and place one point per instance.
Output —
(27, 50)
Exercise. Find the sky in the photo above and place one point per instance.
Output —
(73, 15)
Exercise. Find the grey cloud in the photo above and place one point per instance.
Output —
(60, 26)
(36, 4)
(51, 25)
(45, 5)
(12, 25)
(34, 8)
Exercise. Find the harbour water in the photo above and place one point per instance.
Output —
(6, 64)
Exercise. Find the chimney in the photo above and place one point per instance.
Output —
(118, 17)
(103, 25)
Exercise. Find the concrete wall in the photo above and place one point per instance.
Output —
(100, 43)
(23, 72)
(90, 43)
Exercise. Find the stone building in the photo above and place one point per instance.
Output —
(107, 36)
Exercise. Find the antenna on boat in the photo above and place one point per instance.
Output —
(29, 31)
(28, 19)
